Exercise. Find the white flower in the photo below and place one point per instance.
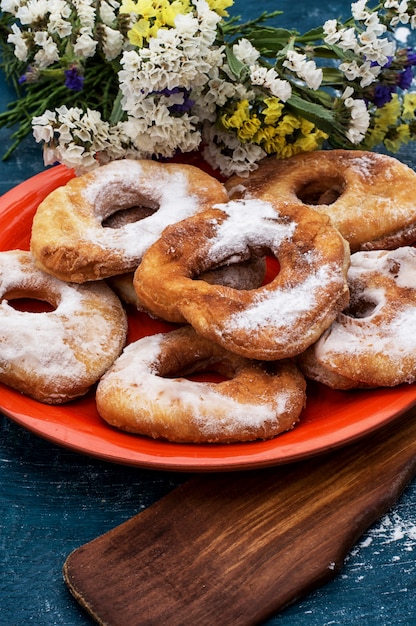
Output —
(269, 78)
(60, 27)
(348, 39)
(357, 10)
(156, 132)
(85, 12)
(85, 46)
(306, 70)
(59, 19)
(32, 12)
(330, 29)
(107, 12)
(223, 151)
(43, 129)
(245, 52)
(366, 72)
(17, 38)
(48, 52)
(360, 120)
(113, 42)
(10, 6)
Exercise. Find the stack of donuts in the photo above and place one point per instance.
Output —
(172, 241)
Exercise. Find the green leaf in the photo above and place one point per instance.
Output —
(316, 113)
(315, 34)
(236, 66)
(270, 42)
(333, 76)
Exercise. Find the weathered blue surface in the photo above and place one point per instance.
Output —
(53, 500)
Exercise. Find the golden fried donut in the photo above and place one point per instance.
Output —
(55, 356)
(144, 392)
(277, 320)
(245, 275)
(373, 342)
(367, 195)
(72, 235)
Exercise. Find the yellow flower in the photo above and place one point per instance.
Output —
(220, 6)
(388, 114)
(409, 106)
(273, 110)
(288, 124)
(144, 8)
(249, 128)
(306, 127)
(311, 141)
(400, 136)
(269, 140)
(168, 11)
(375, 136)
(140, 33)
(236, 119)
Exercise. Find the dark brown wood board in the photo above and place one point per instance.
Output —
(235, 548)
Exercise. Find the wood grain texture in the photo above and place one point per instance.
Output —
(236, 548)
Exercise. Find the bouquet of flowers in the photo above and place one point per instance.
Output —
(98, 80)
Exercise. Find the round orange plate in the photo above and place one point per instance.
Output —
(330, 419)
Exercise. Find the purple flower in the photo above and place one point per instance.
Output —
(410, 56)
(30, 76)
(404, 79)
(386, 64)
(382, 95)
(187, 103)
(73, 79)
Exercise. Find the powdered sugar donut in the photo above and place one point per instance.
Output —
(71, 237)
(245, 275)
(279, 319)
(373, 342)
(55, 356)
(366, 194)
(144, 392)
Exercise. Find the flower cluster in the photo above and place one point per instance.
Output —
(106, 79)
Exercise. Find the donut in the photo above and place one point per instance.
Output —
(73, 236)
(277, 320)
(145, 392)
(55, 355)
(366, 194)
(373, 342)
(245, 275)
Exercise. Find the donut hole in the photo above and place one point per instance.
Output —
(325, 190)
(207, 376)
(27, 304)
(360, 308)
(128, 215)
(272, 269)
(260, 269)
(28, 301)
(202, 371)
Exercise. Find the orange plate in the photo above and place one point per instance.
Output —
(331, 418)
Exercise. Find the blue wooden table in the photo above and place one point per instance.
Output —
(53, 500)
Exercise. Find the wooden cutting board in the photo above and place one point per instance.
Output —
(236, 548)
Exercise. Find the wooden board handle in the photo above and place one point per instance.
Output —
(236, 548)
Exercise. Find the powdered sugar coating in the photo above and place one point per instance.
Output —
(275, 321)
(366, 194)
(205, 411)
(123, 182)
(72, 237)
(213, 411)
(283, 308)
(55, 355)
(374, 344)
(250, 224)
